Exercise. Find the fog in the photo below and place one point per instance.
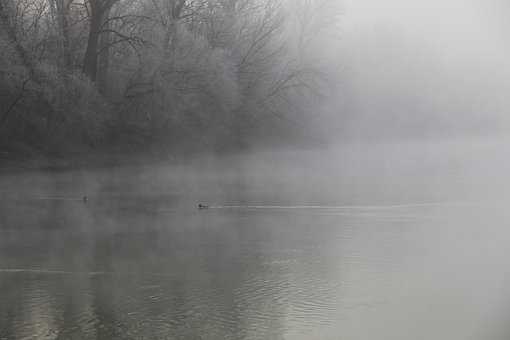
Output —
(421, 70)
(255, 169)
(393, 240)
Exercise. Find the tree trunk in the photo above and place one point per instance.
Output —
(63, 12)
(104, 57)
(91, 54)
(60, 15)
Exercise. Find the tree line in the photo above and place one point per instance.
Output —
(200, 73)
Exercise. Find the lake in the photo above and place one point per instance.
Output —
(359, 242)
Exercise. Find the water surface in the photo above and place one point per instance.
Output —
(300, 248)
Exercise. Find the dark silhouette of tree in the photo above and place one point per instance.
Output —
(98, 12)
(204, 72)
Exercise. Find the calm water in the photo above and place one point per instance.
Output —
(295, 249)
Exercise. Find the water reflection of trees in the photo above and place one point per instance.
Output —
(144, 276)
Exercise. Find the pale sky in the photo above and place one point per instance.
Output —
(439, 66)
(460, 25)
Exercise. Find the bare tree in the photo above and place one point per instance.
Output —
(8, 28)
(98, 11)
(61, 12)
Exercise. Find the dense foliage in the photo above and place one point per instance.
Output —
(200, 73)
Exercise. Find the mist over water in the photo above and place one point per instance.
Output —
(359, 241)
(420, 70)
(384, 215)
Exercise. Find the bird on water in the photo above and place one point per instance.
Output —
(203, 206)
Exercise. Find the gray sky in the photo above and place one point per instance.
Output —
(419, 69)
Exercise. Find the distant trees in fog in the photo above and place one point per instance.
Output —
(194, 72)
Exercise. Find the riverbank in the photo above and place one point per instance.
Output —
(28, 159)
(14, 157)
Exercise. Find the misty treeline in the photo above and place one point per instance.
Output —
(201, 73)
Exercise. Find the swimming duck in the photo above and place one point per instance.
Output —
(203, 206)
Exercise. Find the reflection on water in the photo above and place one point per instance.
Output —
(138, 261)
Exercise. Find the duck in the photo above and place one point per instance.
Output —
(203, 206)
